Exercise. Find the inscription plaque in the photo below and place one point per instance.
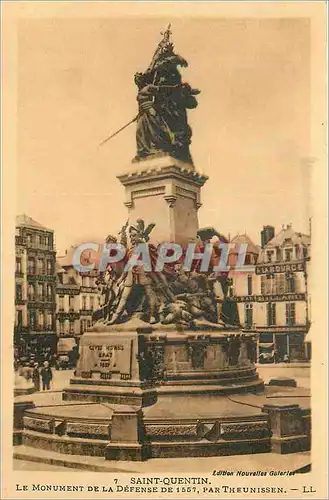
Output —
(105, 358)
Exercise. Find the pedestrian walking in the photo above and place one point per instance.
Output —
(46, 376)
(36, 377)
(276, 356)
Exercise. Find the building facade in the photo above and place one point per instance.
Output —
(272, 295)
(283, 317)
(35, 284)
(244, 279)
(77, 298)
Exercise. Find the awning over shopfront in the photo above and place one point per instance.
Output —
(308, 336)
(266, 345)
(65, 345)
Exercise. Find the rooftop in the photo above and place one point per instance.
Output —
(244, 239)
(288, 235)
(24, 220)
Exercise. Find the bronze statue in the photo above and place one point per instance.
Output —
(163, 99)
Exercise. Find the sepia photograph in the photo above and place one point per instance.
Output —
(163, 245)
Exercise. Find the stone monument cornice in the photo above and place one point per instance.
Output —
(183, 173)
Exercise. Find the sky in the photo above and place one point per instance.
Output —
(251, 129)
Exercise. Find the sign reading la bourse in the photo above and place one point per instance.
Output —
(280, 268)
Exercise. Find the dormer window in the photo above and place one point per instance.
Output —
(288, 254)
(270, 255)
(248, 261)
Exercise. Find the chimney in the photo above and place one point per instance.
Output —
(266, 235)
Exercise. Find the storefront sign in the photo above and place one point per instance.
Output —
(278, 297)
(280, 268)
(88, 289)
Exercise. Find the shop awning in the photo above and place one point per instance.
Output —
(308, 336)
(266, 345)
(65, 345)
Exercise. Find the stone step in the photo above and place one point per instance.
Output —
(262, 461)
(80, 462)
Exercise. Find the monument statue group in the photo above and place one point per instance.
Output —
(166, 370)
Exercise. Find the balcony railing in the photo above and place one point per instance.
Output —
(68, 315)
(40, 277)
(86, 312)
(20, 240)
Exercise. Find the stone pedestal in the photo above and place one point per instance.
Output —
(126, 435)
(167, 191)
(290, 428)
(19, 408)
(135, 364)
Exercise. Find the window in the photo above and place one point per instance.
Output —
(268, 284)
(278, 254)
(31, 266)
(49, 292)
(84, 302)
(248, 259)
(40, 320)
(32, 320)
(262, 285)
(29, 240)
(85, 281)
(92, 303)
(71, 303)
(18, 265)
(19, 291)
(49, 267)
(61, 327)
(71, 327)
(290, 284)
(40, 266)
(49, 321)
(280, 283)
(304, 252)
(290, 313)
(61, 303)
(248, 317)
(288, 254)
(31, 292)
(270, 254)
(39, 240)
(271, 314)
(249, 285)
(40, 291)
